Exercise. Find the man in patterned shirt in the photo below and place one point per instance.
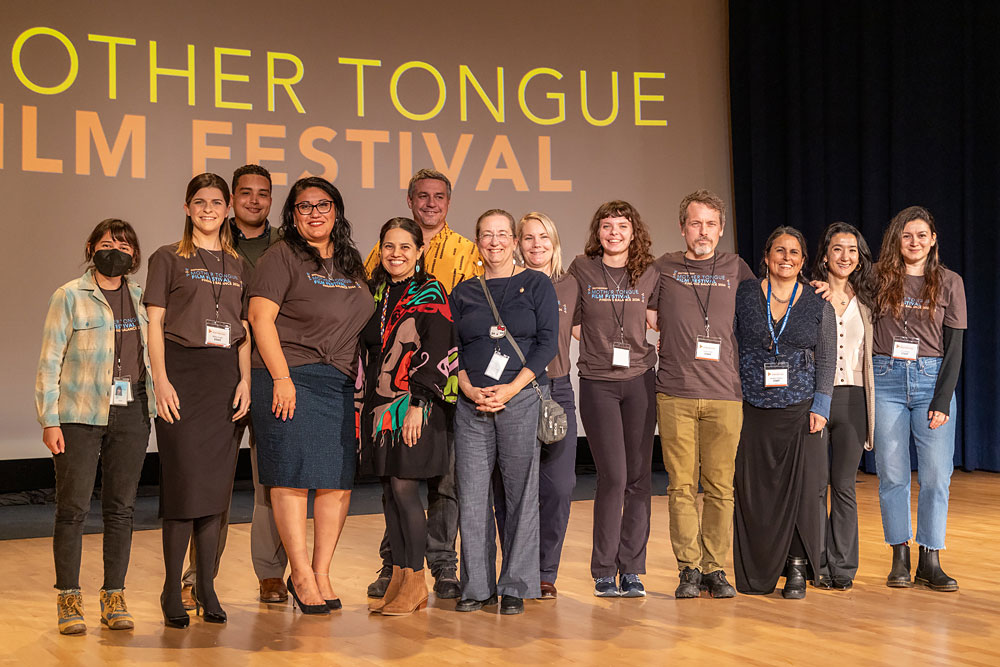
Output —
(451, 258)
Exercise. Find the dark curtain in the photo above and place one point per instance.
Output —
(854, 110)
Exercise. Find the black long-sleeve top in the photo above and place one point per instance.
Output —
(808, 345)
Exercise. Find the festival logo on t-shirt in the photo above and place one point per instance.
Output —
(616, 294)
(916, 304)
(701, 279)
(126, 325)
(325, 281)
(214, 277)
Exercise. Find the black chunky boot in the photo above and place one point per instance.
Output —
(930, 574)
(899, 575)
(795, 578)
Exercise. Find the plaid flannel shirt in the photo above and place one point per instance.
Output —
(76, 365)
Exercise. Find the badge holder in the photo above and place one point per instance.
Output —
(620, 353)
(121, 391)
(497, 365)
(217, 333)
(708, 348)
(776, 374)
(905, 348)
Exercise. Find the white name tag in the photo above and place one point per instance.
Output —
(121, 392)
(905, 348)
(708, 348)
(776, 374)
(217, 333)
(497, 364)
(620, 355)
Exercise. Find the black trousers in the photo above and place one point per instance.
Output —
(121, 448)
(845, 442)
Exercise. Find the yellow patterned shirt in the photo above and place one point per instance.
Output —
(449, 257)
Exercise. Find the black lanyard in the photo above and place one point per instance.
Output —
(619, 319)
(119, 334)
(211, 280)
(496, 341)
(708, 297)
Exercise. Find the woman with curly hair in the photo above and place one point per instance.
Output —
(920, 319)
(308, 303)
(617, 300)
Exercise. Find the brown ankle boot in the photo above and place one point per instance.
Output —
(412, 596)
(375, 606)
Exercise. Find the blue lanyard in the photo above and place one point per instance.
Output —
(784, 320)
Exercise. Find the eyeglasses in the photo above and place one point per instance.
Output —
(305, 208)
(502, 237)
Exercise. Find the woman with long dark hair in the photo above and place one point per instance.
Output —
(308, 303)
(921, 317)
(95, 330)
(199, 352)
(410, 383)
(786, 335)
(617, 300)
(844, 261)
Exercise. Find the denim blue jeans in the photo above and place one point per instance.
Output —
(903, 392)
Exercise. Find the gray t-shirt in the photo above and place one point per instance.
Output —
(128, 337)
(607, 303)
(320, 312)
(567, 291)
(187, 288)
(950, 311)
(681, 321)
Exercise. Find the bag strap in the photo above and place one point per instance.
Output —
(513, 343)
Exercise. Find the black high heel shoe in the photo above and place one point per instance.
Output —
(180, 622)
(210, 616)
(306, 608)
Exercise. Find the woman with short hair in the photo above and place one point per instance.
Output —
(94, 398)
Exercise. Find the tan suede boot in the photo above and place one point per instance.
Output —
(411, 597)
(396, 583)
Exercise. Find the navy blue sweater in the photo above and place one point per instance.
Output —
(531, 312)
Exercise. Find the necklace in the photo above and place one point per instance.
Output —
(210, 254)
(779, 299)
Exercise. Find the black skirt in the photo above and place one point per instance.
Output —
(778, 476)
(198, 452)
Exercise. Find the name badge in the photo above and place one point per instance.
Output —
(905, 348)
(497, 364)
(498, 331)
(708, 348)
(776, 374)
(217, 333)
(121, 392)
(620, 353)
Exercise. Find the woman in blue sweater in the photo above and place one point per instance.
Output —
(787, 339)
(497, 415)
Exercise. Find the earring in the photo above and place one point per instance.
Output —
(417, 269)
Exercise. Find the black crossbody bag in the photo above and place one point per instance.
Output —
(552, 424)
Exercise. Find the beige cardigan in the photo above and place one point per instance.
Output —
(869, 375)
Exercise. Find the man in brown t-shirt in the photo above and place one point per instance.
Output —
(698, 397)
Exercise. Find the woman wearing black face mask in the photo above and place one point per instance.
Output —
(94, 398)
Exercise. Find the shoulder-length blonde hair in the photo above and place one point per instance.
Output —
(545, 221)
(186, 247)
(639, 257)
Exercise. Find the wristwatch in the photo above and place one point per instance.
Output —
(417, 402)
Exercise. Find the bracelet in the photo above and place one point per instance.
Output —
(287, 377)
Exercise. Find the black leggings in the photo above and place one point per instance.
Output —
(176, 536)
(405, 522)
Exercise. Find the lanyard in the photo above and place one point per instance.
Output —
(119, 334)
(708, 297)
(496, 342)
(619, 319)
(784, 320)
(211, 280)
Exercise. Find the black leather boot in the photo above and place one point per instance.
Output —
(930, 574)
(899, 575)
(795, 578)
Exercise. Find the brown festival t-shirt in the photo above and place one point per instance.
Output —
(320, 312)
(950, 311)
(567, 291)
(598, 302)
(187, 288)
(128, 337)
(681, 321)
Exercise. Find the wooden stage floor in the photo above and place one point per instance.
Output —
(869, 625)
